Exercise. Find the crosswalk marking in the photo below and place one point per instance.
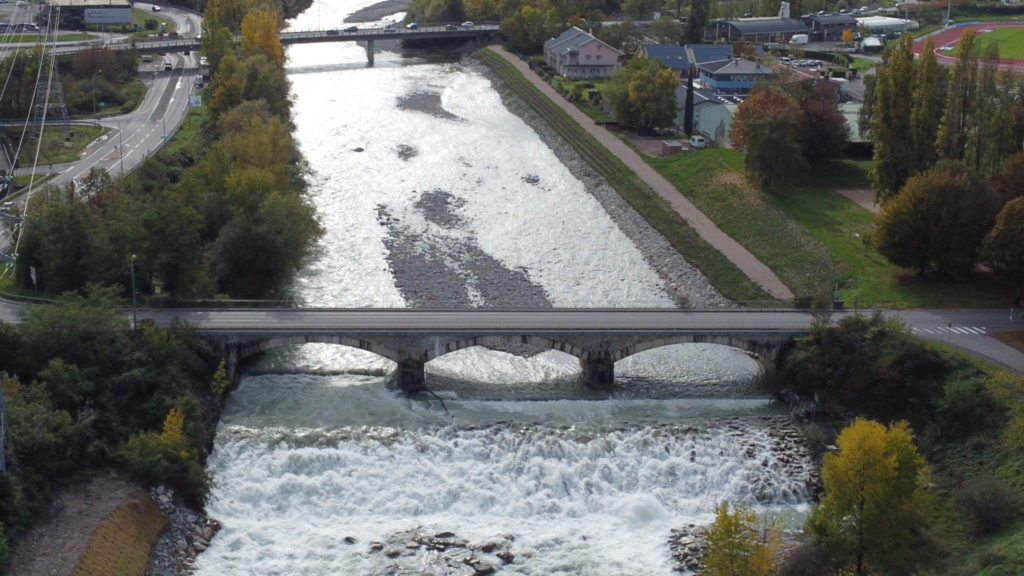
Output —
(961, 330)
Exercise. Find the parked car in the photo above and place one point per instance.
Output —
(698, 141)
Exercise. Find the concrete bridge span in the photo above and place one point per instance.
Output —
(411, 338)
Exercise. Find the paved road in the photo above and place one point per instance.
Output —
(736, 253)
(136, 135)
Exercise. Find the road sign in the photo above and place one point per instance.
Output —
(195, 100)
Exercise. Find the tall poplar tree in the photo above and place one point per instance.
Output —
(929, 103)
(688, 113)
(961, 97)
(891, 120)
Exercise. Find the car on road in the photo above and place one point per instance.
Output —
(412, 26)
(155, 8)
(168, 66)
(332, 32)
(467, 24)
(451, 27)
(147, 57)
(351, 29)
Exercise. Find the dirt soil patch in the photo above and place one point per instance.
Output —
(61, 533)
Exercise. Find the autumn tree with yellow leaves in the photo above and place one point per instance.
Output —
(875, 499)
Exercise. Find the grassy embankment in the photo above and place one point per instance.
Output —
(713, 180)
(729, 279)
(121, 544)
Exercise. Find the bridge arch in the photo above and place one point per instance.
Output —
(237, 351)
(500, 341)
(765, 350)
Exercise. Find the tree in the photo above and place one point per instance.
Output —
(961, 97)
(891, 120)
(688, 113)
(260, 36)
(643, 94)
(1007, 182)
(736, 547)
(928, 106)
(766, 127)
(700, 12)
(823, 132)
(938, 221)
(874, 500)
(1003, 248)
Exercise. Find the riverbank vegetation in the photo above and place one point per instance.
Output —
(967, 421)
(84, 391)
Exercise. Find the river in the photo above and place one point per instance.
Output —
(434, 193)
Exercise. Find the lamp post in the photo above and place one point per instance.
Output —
(94, 90)
(135, 309)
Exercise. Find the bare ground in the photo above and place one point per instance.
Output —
(61, 533)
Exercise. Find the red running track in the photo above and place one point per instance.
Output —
(951, 37)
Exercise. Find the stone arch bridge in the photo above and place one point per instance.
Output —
(411, 338)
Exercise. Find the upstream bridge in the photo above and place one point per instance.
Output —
(366, 35)
(411, 338)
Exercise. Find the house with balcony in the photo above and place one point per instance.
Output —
(576, 54)
(732, 76)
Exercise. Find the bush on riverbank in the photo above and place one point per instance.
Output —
(79, 383)
(967, 420)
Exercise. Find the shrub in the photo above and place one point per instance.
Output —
(967, 408)
(989, 505)
(4, 550)
(156, 462)
(807, 559)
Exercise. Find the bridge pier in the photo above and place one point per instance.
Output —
(369, 52)
(410, 375)
(598, 371)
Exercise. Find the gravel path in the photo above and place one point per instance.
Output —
(60, 534)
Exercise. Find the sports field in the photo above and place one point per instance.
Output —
(1010, 41)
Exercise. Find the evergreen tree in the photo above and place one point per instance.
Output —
(688, 113)
(930, 86)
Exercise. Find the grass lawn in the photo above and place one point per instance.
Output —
(1009, 40)
(139, 17)
(845, 229)
(121, 544)
(712, 179)
(55, 148)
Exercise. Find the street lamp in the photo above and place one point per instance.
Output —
(94, 90)
(135, 309)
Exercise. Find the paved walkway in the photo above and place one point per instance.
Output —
(737, 254)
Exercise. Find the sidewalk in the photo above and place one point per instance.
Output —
(737, 254)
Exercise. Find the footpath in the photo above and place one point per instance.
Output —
(737, 254)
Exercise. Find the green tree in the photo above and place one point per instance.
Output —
(688, 112)
(700, 15)
(894, 155)
(766, 127)
(1007, 182)
(938, 221)
(875, 501)
(643, 94)
(961, 98)
(823, 132)
(1003, 247)
(929, 88)
(737, 546)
